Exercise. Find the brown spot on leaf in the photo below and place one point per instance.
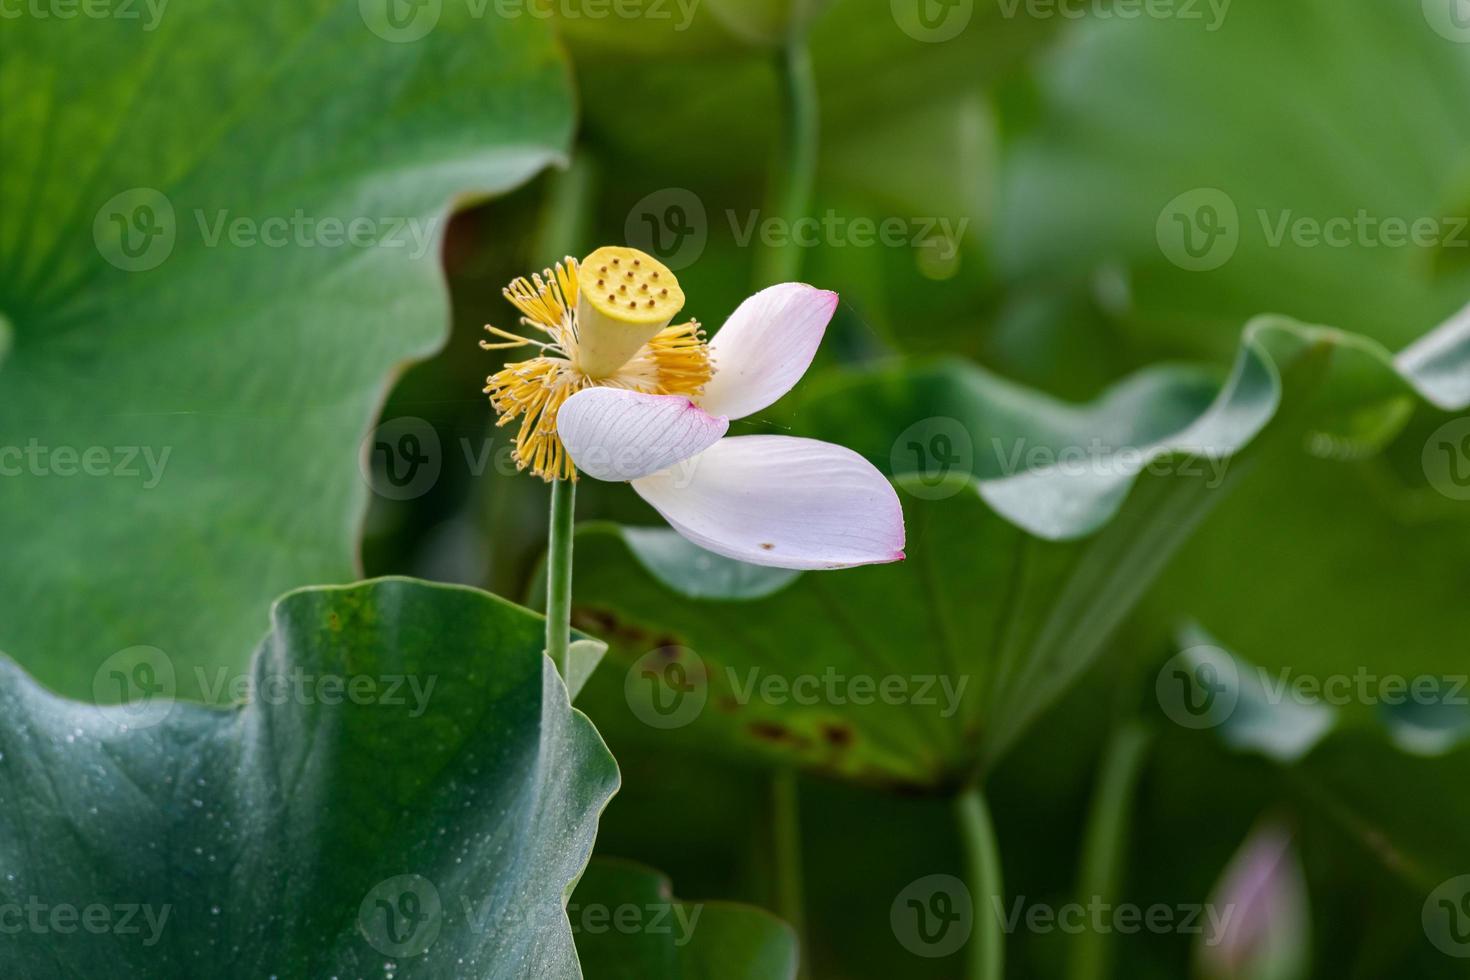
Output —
(769, 731)
(839, 736)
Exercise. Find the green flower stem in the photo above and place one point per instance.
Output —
(559, 575)
(793, 175)
(1105, 848)
(786, 827)
(795, 168)
(982, 859)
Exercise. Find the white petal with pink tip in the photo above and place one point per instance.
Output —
(617, 435)
(781, 501)
(765, 347)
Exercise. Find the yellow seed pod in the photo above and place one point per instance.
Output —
(625, 297)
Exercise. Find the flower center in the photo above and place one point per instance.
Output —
(606, 320)
(626, 299)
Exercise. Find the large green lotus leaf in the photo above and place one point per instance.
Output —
(1397, 799)
(435, 819)
(1034, 526)
(1346, 567)
(219, 244)
(629, 926)
(1143, 130)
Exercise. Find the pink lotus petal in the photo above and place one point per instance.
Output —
(781, 501)
(617, 435)
(765, 347)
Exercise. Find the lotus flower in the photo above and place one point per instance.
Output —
(620, 395)
(1264, 897)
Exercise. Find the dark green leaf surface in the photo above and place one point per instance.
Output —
(1033, 528)
(428, 826)
(220, 241)
(629, 926)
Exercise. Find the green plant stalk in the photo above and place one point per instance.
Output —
(793, 176)
(1105, 849)
(559, 575)
(982, 859)
(795, 167)
(786, 828)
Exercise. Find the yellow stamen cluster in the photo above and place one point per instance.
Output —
(675, 361)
